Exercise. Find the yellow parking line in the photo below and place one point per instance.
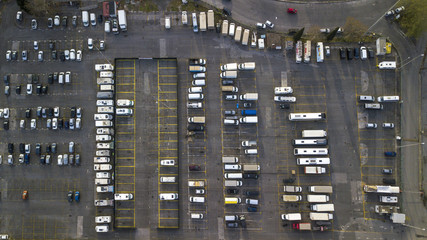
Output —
(125, 209)
(124, 60)
(167, 218)
(167, 67)
(168, 174)
(168, 100)
(125, 149)
(168, 140)
(125, 166)
(124, 92)
(167, 157)
(167, 84)
(168, 108)
(118, 84)
(168, 75)
(126, 68)
(170, 124)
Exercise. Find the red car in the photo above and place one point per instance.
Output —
(292, 10)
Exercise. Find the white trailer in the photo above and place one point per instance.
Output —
(245, 38)
(202, 20)
(322, 207)
(211, 20)
(122, 20)
(321, 216)
(314, 133)
(249, 97)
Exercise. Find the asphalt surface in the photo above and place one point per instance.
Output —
(330, 87)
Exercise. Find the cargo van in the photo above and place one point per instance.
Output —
(102, 153)
(109, 145)
(251, 201)
(106, 88)
(124, 103)
(388, 99)
(283, 90)
(229, 67)
(376, 106)
(85, 18)
(363, 53)
(103, 138)
(252, 143)
(195, 96)
(106, 74)
(123, 196)
(251, 167)
(224, 31)
(102, 116)
(167, 179)
(105, 110)
(309, 142)
(320, 189)
(101, 159)
(104, 81)
(231, 122)
(247, 66)
(233, 183)
(194, 105)
(197, 199)
(251, 151)
(199, 75)
(232, 167)
(230, 159)
(292, 217)
(104, 95)
(102, 181)
(232, 200)
(317, 198)
(104, 123)
(104, 103)
(233, 175)
(322, 207)
(228, 74)
(199, 82)
(238, 34)
(195, 90)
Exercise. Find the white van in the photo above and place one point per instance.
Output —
(196, 216)
(199, 75)
(85, 18)
(104, 81)
(231, 122)
(195, 96)
(107, 26)
(197, 199)
(230, 159)
(252, 201)
(102, 228)
(195, 90)
(102, 181)
(231, 31)
(92, 19)
(107, 109)
(168, 196)
(101, 159)
(184, 18)
(106, 74)
(199, 82)
(167, 179)
(231, 218)
(251, 151)
(283, 90)
(388, 99)
(232, 167)
(106, 87)
(363, 53)
(102, 116)
(124, 112)
(233, 175)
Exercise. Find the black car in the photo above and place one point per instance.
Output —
(22, 148)
(323, 223)
(70, 196)
(50, 78)
(18, 89)
(251, 193)
(252, 209)
(44, 113)
(34, 79)
(232, 225)
(60, 123)
(6, 80)
(54, 55)
(39, 89)
(356, 53)
(38, 149)
(371, 53)
(226, 12)
(285, 106)
(74, 21)
(42, 159)
(44, 89)
(232, 191)
(48, 149)
(50, 112)
(28, 113)
(247, 104)
(64, 21)
(288, 180)
(53, 148)
(66, 124)
(14, 55)
(218, 27)
(342, 53)
(77, 159)
(62, 56)
(49, 23)
(39, 111)
(55, 77)
(194, 167)
(6, 125)
(349, 53)
(51, 45)
(100, 18)
(73, 112)
(10, 148)
(391, 181)
(195, 127)
(250, 176)
(227, 82)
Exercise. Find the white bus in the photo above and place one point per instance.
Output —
(319, 51)
(314, 133)
(306, 116)
(307, 51)
(308, 142)
(298, 52)
(310, 151)
(313, 161)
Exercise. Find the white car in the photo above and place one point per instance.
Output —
(6, 113)
(90, 43)
(231, 97)
(36, 45)
(22, 123)
(33, 124)
(102, 175)
(10, 159)
(260, 43)
(327, 51)
(78, 123)
(79, 55)
(60, 161)
(167, 22)
(269, 24)
(167, 162)
(27, 148)
(57, 20)
(72, 54)
(29, 88)
(56, 111)
(67, 54)
(55, 123)
(388, 125)
(8, 55)
(284, 99)
(40, 56)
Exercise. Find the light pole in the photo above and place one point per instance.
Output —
(414, 144)
(406, 225)
(421, 55)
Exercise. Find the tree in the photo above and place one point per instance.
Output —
(413, 19)
(23, 5)
(332, 34)
(354, 29)
(298, 35)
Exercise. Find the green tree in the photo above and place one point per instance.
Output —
(332, 34)
(23, 5)
(414, 19)
(298, 35)
(354, 29)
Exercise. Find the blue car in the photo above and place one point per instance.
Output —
(77, 196)
(27, 158)
(390, 154)
(252, 209)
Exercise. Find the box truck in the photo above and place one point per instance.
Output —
(232, 183)
(196, 119)
(292, 198)
(228, 74)
(85, 18)
(230, 159)
(229, 67)
(314, 133)
(238, 34)
(122, 20)
(247, 66)
(196, 68)
(314, 170)
(317, 198)
(251, 167)
(320, 189)
(245, 38)
(211, 20)
(202, 20)
(321, 216)
(322, 207)
(249, 96)
(249, 119)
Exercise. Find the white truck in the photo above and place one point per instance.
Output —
(314, 170)
(238, 34)
(245, 38)
(292, 198)
(196, 183)
(123, 196)
(211, 20)
(249, 119)
(314, 133)
(228, 74)
(229, 89)
(317, 198)
(202, 20)
(320, 189)
(249, 97)
(247, 66)
(196, 120)
(122, 20)
(292, 189)
(85, 18)
(321, 216)
(125, 103)
(102, 167)
(292, 217)
(229, 67)
(322, 207)
(104, 203)
(232, 183)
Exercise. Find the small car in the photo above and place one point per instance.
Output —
(24, 55)
(34, 24)
(269, 24)
(231, 97)
(387, 171)
(227, 82)
(327, 51)
(391, 181)
(8, 55)
(102, 45)
(251, 193)
(57, 20)
(50, 23)
(260, 25)
(7, 90)
(349, 53)
(247, 104)
(232, 191)
(74, 21)
(292, 10)
(77, 196)
(250, 176)
(24, 195)
(70, 196)
(6, 125)
(79, 56)
(67, 54)
(18, 89)
(40, 56)
(64, 21)
(226, 11)
(72, 54)
(14, 55)
(19, 16)
(229, 112)
(194, 167)
(54, 55)
(232, 225)
(388, 125)
(252, 209)
(390, 154)
(10, 148)
(371, 125)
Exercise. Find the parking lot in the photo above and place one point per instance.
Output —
(158, 131)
